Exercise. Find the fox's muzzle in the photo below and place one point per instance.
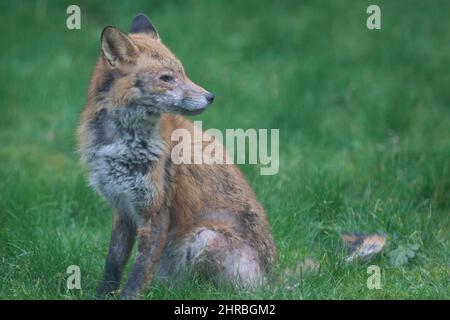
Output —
(196, 105)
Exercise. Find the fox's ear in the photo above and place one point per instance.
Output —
(117, 48)
(142, 24)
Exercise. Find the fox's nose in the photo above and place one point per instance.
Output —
(209, 97)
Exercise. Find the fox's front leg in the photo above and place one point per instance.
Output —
(151, 240)
(122, 240)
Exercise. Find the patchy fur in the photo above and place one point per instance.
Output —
(184, 217)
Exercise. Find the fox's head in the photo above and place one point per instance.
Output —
(138, 69)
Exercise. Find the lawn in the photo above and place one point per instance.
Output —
(364, 119)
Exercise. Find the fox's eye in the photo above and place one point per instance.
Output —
(166, 78)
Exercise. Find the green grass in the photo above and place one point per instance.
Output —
(364, 119)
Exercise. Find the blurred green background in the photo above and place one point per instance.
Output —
(364, 119)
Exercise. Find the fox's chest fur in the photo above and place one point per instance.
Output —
(121, 157)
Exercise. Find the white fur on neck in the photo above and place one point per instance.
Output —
(131, 141)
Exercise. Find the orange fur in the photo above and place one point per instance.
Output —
(185, 198)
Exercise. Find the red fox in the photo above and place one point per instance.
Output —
(184, 218)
